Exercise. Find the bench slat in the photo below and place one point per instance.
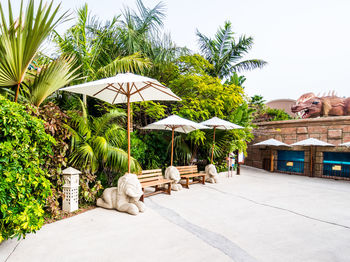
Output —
(156, 182)
(192, 175)
(150, 175)
(150, 179)
(151, 171)
(183, 170)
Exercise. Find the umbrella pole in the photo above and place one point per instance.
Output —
(128, 103)
(172, 145)
(212, 150)
(272, 161)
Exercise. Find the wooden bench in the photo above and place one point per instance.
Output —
(154, 178)
(188, 172)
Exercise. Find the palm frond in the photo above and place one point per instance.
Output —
(224, 52)
(206, 46)
(117, 160)
(223, 39)
(84, 156)
(103, 123)
(51, 77)
(131, 63)
(21, 39)
(248, 65)
(182, 152)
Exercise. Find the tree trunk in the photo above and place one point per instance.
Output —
(17, 91)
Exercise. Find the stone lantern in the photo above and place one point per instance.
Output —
(70, 189)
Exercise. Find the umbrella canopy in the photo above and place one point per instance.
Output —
(347, 144)
(271, 142)
(311, 142)
(175, 123)
(118, 89)
(125, 88)
(218, 123)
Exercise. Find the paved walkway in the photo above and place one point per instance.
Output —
(257, 216)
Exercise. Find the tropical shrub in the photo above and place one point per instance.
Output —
(54, 121)
(275, 114)
(96, 144)
(24, 185)
(150, 149)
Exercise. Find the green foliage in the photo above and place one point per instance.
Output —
(20, 39)
(95, 48)
(225, 52)
(51, 77)
(24, 185)
(263, 113)
(257, 100)
(277, 114)
(54, 122)
(96, 143)
(202, 95)
(154, 110)
(150, 149)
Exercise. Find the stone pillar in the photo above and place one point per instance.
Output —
(70, 189)
(275, 160)
(319, 162)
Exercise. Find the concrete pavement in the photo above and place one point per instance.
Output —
(257, 216)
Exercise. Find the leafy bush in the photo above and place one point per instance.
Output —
(150, 149)
(24, 187)
(56, 122)
(277, 114)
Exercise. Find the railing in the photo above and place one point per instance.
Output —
(336, 170)
(291, 167)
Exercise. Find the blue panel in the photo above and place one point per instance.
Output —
(290, 161)
(333, 161)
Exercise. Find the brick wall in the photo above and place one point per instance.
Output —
(334, 130)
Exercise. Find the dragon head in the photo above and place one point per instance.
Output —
(308, 105)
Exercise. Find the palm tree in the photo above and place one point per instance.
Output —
(96, 48)
(140, 32)
(96, 143)
(138, 27)
(224, 52)
(21, 39)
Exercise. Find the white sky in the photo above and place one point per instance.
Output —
(305, 42)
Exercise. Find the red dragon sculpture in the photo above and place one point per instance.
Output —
(311, 106)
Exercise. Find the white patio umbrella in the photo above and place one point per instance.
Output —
(175, 123)
(125, 88)
(271, 142)
(218, 123)
(311, 142)
(347, 144)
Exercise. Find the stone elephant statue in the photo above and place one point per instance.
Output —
(125, 197)
(173, 174)
(212, 174)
